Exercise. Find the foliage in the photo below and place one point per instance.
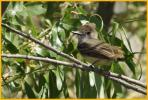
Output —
(35, 79)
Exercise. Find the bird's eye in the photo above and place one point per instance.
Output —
(87, 33)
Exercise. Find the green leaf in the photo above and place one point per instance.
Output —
(81, 10)
(43, 52)
(34, 9)
(126, 38)
(59, 78)
(114, 30)
(41, 83)
(54, 36)
(98, 21)
(31, 26)
(117, 88)
(87, 90)
(66, 26)
(53, 55)
(69, 48)
(10, 46)
(29, 90)
(98, 83)
(65, 88)
(114, 95)
(117, 68)
(19, 20)
(54, 93)
(78, 84)
(92, 92)
(131, 65)
(41, 92)
(108, 84)
(61, 34)
(91, 79)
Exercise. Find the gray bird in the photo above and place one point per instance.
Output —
(94, 50)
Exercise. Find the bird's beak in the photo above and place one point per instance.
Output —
(77, 32)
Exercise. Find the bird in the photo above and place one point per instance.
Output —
(94, 50)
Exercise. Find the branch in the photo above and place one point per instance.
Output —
(74, 65)
(26, 35)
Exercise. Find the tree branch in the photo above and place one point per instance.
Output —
(74, 65)
(40, 43)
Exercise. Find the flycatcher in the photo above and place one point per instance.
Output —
(94, 50)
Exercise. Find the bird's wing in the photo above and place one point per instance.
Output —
(96, 48)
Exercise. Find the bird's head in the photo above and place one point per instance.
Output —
(86, 31)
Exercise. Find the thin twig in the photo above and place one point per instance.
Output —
(130, 86)
(129, 80)
(43, 33)
(96, 70)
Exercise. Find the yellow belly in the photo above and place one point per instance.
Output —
(97, 61)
